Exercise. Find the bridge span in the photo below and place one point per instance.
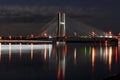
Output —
(65, 30)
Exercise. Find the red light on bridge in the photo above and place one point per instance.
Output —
(45, 34)
(110, 33)
(0, 37)
(93, 34)
(10, 37)
(32, 36)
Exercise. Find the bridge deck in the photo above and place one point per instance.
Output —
(24, 41)
(67, 40)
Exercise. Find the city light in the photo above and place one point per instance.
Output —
(0, 37)
(110, 34)
(45, 34)
(32, 36)
(20, 37)
(10, 37)
(93, 34)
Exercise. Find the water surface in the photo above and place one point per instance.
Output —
(58, 62)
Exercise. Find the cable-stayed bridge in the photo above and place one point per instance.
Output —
(72, 28)
(69, 30)
(65, 29)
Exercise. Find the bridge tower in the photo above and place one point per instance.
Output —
(61, 25)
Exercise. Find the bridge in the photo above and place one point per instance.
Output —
(65, 29)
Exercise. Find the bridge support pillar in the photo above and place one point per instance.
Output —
(61, 25)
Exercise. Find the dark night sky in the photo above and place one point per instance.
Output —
(109, 9)
(63, 2)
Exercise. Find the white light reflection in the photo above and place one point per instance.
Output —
(105, 56)
(10, 51)
(74, 55)
(62, 51)
(63, 67)
(50, 50)
(0, 52)
(110, 57)
(31, 54)
(45, 53)
(24, 48)
(101, 52)
(20, 50)
(16, 47)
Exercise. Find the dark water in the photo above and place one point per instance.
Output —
(58, 62)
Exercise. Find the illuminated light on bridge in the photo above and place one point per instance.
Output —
(110, 34)
(20, 37)
(45, 35)
(0, 37)
(50, 36)
(93, 34)
(106, 35)
(101, 36)
(32, 36)
(10, 37)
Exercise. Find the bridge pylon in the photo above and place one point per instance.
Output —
(61, 25)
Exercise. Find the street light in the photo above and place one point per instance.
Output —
(45, 34)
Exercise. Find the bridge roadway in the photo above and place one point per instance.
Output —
(64, 39)
(24, 41)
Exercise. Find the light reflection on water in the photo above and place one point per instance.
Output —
(58, 62)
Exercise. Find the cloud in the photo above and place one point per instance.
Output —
(16, 20)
